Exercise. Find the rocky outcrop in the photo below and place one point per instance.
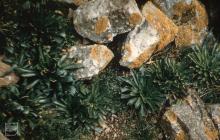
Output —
(214, 111)
(153, 35)
(6, 76)
(93, 59)
(101, 20)
(191, 18)
(189, 120)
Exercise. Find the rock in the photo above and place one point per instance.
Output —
(165, 27)
(7, 77)
(191, 18)
(152, 35)
(214, 111)
(139, 45)
(79, 2)
(101, 20)
(93, 58)
(2, 137)
(189, 120)
(75, 2)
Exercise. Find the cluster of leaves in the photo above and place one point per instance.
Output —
(35, 35)
(47, 93)
(198, 66)
(141, 93)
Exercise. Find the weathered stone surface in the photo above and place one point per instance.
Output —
(165, 27)
(76, 2)
(139, 45)
(190, 16)
(189, 120)
(93, 59)
(101, 20)
(214, 111)
(2, 137)
(7, 77)
(79, 2)
(152, 35)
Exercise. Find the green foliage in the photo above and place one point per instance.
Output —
(36, 38)
(169, 75)
(140, 92)
(22, 107)
(205, 63)
(48, 103)
(86, 108)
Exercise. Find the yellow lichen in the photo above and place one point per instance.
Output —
(211, 134)
(102, 25)
(142, 58)
(135, 19)
(166, 28)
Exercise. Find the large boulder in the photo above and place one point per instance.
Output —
(101, 20)
(191, 18)
(152, 35)
(189, 120)
(6, 76)
(92, 58)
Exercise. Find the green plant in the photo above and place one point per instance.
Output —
(169, 75)
(85, 109)
(36, 39)
(205, 63)
(22, 107)
(140, 92)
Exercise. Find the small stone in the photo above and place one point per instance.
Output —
(189, 120)
(101, 20)
(139, 46)
(191, 18)
(166, 28)
(7, 77)
(94, 58)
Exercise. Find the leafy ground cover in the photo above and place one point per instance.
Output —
(48, 103)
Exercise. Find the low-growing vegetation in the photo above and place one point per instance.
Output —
(49, 103)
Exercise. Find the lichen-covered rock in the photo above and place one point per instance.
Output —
(156, 32)
(139, 45)
(93, 59)
(165, 27)
(101, 20)
(190, 16)
(7, 77)
(79, 2)
(76, 2)
(214, 111)
(189, 120)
